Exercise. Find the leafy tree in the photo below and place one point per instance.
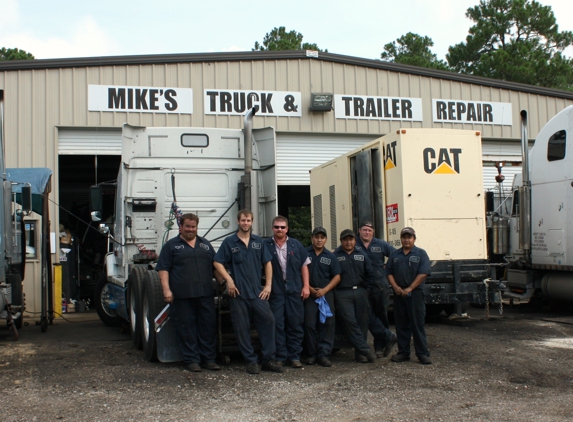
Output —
(515, 40)
(280, 39)
(413, 49)
(300, 224)
(15, 54)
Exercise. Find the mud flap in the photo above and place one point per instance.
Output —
(167, 347)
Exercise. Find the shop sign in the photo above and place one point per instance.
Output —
(377, 108)
(473, 112)
(140, 99)
(237, 102)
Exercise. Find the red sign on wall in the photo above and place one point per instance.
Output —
(392, 213)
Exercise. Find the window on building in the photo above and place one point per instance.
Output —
(556, 146)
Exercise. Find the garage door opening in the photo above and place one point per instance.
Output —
(82, 247)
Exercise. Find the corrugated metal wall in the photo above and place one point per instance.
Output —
(40, 104)
(37, 101)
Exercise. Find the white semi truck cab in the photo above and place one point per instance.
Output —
(540, 251)
(165, 172)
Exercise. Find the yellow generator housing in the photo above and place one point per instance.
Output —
(428, 179)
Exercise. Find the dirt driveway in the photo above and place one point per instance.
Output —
(515, 368)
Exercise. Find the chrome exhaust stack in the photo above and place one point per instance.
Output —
(525, 194)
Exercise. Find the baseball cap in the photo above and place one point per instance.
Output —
(318, 230)
(408, 230)
(367, 223)
(346, 233)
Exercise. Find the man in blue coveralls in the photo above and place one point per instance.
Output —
(185, 269)
(351, 294)
(290, 288)
(324, 276)
(245, 255)
(407, 269)
(377, 250)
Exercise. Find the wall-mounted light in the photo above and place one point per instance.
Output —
(320, 101)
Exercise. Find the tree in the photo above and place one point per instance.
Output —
(413, 49)
(15, 54)
(279, 39)
(515, 40)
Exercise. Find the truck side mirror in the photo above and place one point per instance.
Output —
(96, 216)
(96, 198)
(26, 199)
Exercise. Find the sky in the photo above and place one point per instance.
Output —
(76, 28)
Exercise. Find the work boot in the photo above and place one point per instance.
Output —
(211, 366)
(273, 366)
(379, 353)
(371, 356)
(295, 364)
(389, 346)
(324, 361)
(253, 368)
(425, 360)
(361, 359)
(193, 367)
(400, 358)
(310, 360)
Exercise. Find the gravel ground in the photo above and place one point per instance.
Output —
(511, 368)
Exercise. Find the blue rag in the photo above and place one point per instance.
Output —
(324, 309)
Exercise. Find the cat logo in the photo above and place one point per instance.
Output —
(448, 161)
(390, 159)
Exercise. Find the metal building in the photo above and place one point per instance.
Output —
(66, 114)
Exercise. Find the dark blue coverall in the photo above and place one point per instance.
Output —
(378, 323)
(319, 338)
(193, 309)
(351, 296)
(245, 265)
(286, 301)
(410, 312)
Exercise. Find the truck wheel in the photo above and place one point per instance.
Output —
(15, 283)
(152, 303)
(101, 300)
(134, 287)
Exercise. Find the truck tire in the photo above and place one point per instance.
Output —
(134, 287)
(15, 283)
(101, 295)
(151, 304)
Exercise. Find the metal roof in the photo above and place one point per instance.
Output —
(17, 65)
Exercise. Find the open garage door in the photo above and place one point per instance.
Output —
(299, 153)
(86, 157)
(89, 141)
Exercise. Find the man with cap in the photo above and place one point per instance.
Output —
(378, 250)
(324, 276)
(185, 268)
(407, 269)
(290, 289)
(351, 294)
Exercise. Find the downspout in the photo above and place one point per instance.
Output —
(251, 194)
(525, 194)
